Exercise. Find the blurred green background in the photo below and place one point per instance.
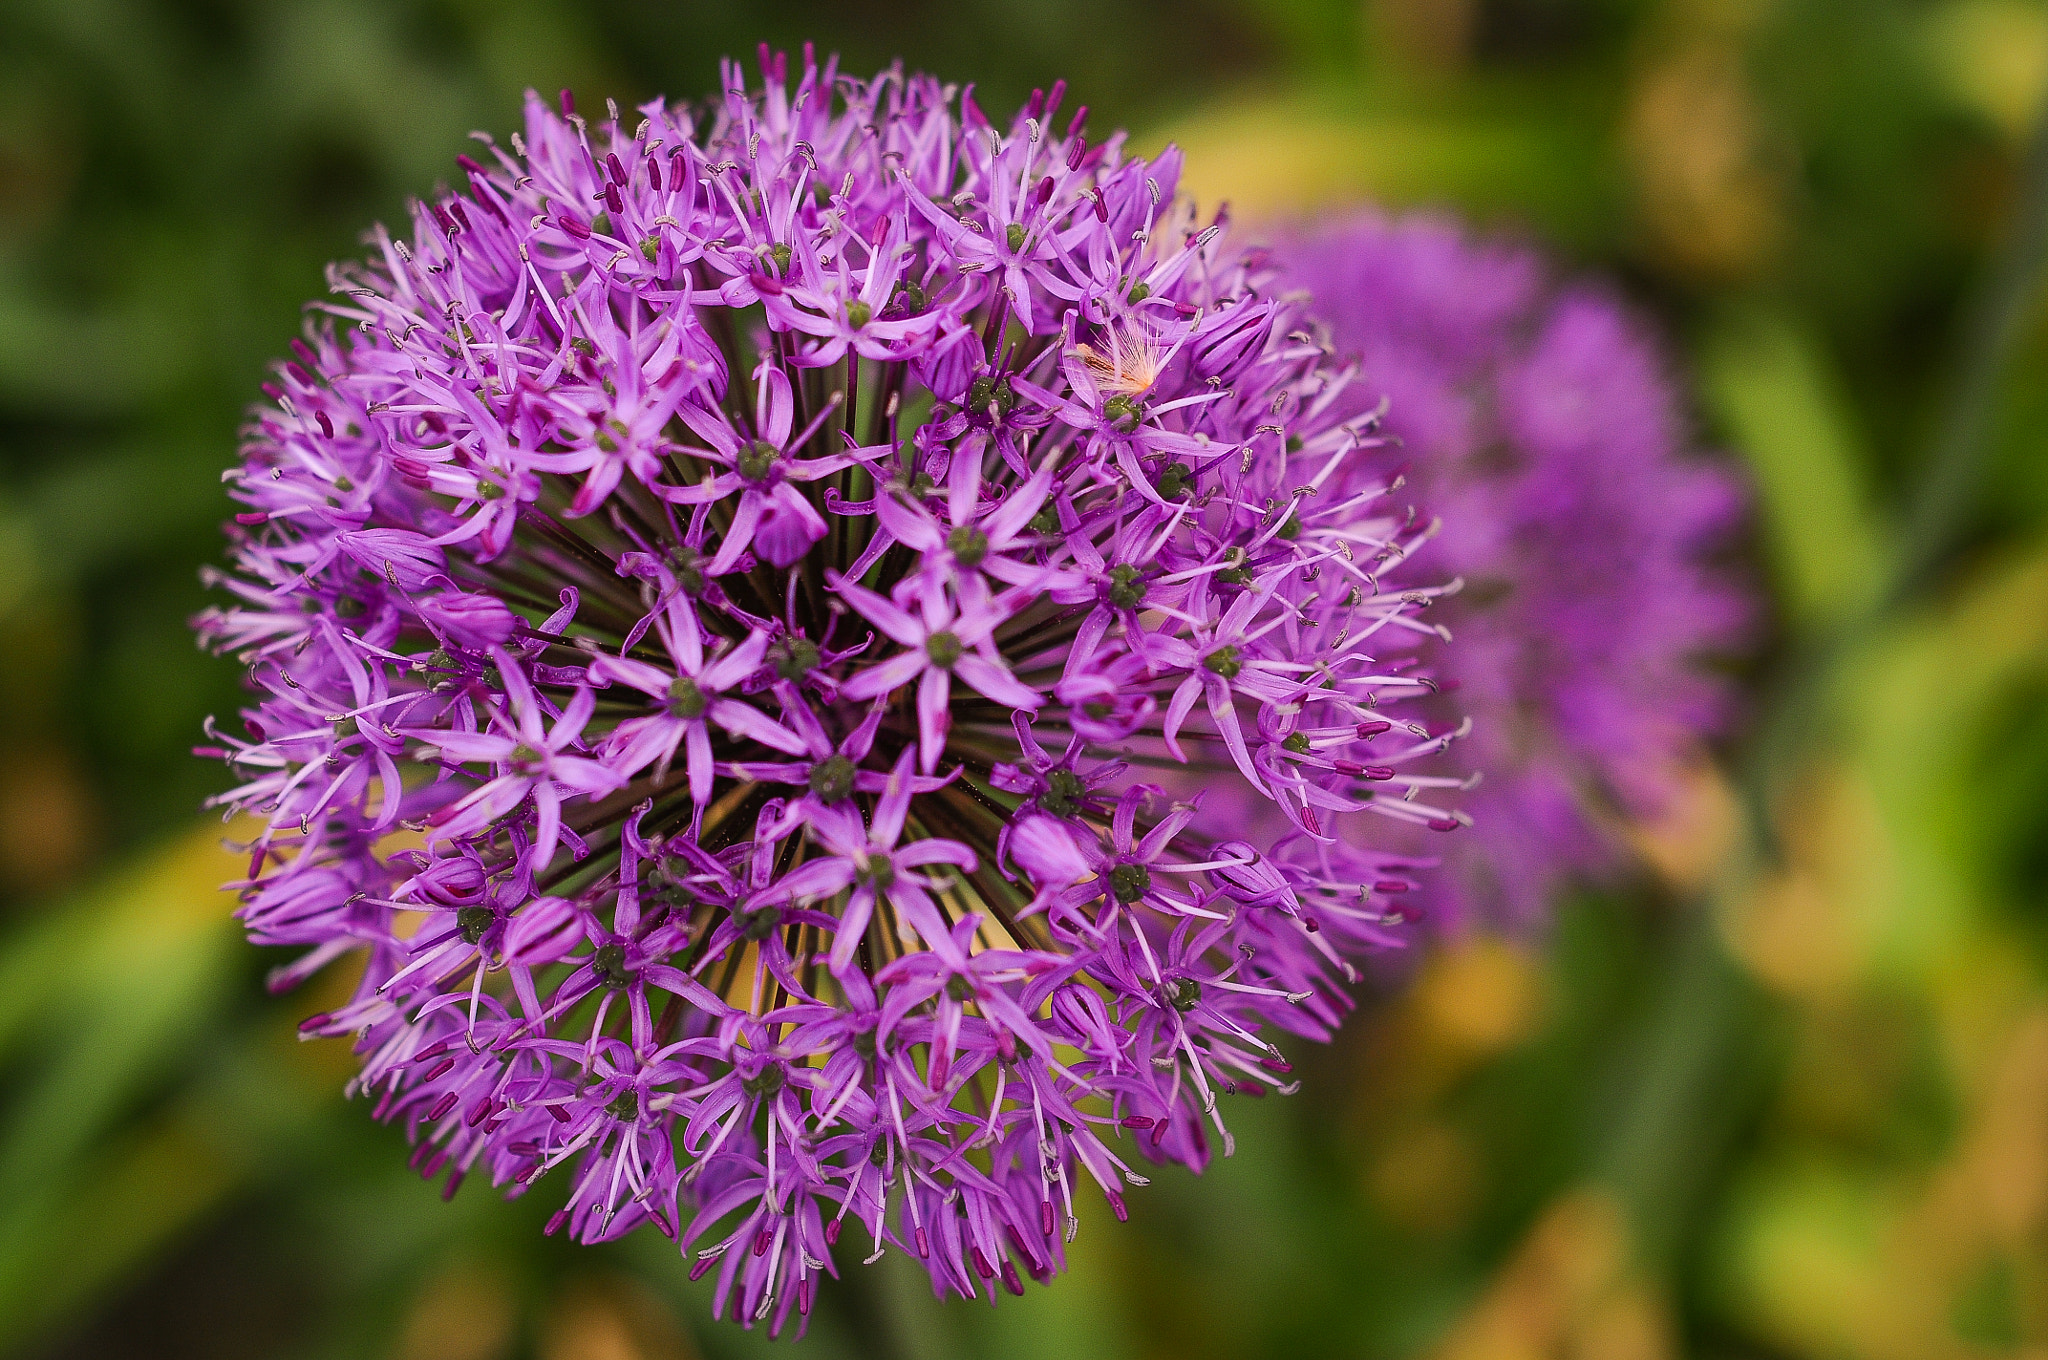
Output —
(1785, 1095)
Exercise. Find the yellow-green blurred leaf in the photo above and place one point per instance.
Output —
(1771, 386)
(95, 1001)
(1280, 156)
(1992, 55)
(1798, 1256)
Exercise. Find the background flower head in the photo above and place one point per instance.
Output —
(1538, 419)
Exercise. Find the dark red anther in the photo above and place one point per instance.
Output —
(1390, 885)
(1075, 150)
(654, 173)
(434, 1164)
(443, 1106)
(1274, 1064)
(1311, 925)
(1101, 208)
(677, 159)
(439, 1070)
(305, 352)
(1080, 117)
(1116, 1206)
(832, 1233)
(453, 1183)
(981, 1265)
(572, 224)
(326, 425)
(468, 163)
(613, 199)
(272, 390)
(1035, 105)
(441, 216)
(1368, 730)
(568, 103)
(561, 1116)
(461, 217)
(312, 1022)
(1044, 190)
(1381, 772)
(662, 1225)
(1022, 1248)
(618, 171)
(924, 1246)
(255, 517)
(1137, 1121)
(761, 1241)
(803, 1296)
(480, 1111)
(1250, 1088)
(766, 57)
(298, 375)
(1308, 819)
(702, 1264)
(1442, 824)
(555, 1222)
(1159, 1133)
(1010, 1280)
(1045, 1217)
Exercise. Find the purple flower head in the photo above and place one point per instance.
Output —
(1538, 420)
(716, 597)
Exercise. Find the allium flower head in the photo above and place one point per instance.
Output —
(1538, 420)
(715, 595)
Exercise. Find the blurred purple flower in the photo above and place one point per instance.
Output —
(1538, 420)
(621, 537)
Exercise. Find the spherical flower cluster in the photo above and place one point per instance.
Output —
(715, 596)
(1537, 419)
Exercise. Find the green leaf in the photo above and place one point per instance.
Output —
(1772, 389)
